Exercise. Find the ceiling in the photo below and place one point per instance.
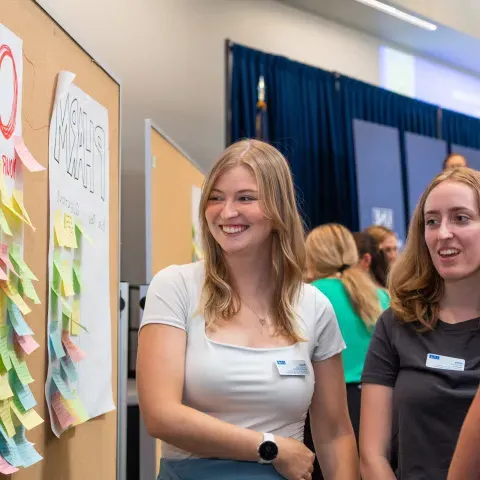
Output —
(451, 43)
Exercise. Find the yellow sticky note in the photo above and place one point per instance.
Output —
(76, 409)
(15, 297)
(58, 228)
(29, 419)
(66, 274)
(75, 318)
(6, 417)
(19, 207)
(70, 239)
(5, 389)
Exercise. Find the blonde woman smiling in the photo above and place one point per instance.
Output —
(234, 350)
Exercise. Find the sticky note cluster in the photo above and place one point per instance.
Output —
(17, 338)
(65, 322)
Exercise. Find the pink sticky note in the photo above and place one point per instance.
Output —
(25, 156)
(27, 342)
(6, 259)
(6, 468)
(63, 415)
(76, 353)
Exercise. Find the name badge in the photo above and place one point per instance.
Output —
(445, 363)
(292, 367)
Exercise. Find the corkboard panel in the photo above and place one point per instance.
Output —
(172, 175)
(89, 450)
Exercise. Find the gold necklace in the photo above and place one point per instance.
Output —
(262, 320)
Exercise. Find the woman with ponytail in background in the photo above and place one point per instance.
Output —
(332, 264)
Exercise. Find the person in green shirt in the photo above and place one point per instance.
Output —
(333, 267)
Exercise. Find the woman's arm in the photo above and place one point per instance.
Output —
(466, 461)
(160, 379)
(332, 430)
(376, 432)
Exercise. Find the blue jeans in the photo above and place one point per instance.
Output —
(209, 469)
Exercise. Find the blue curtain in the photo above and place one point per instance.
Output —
(460, 129)
(301, 105)
(310, 119)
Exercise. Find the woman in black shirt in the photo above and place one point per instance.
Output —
(423, 365)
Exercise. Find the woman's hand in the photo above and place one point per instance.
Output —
(294, 460)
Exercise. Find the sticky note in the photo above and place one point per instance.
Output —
(82, 232)
(76, 409)
(69, 369)
(5, 389)
(9, 449)
(63, 270)
(56, 341)
(4, 226)
(21, 369)
(20, 207)
(8, 205)
(22, 393)
(27, 342)
(4, 257)
(3, 275)
(77, 280)
(70, 239)
(64, 417)
(16, 319)
(16, 256)
(62, 386)
(25, 450)
(76, 353)
(75, 324)
(6, 468)
(15, 297)
(6, 417)
(29, 290)
(25, 156)
(29, 419)
(4, 350)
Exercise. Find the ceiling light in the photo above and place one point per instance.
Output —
(399, 14)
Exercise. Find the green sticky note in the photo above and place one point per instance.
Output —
(4, 224)
(29, 290)
(6, 417)
(77, 282)
(21, 369)
(79, 230)
(16, 256)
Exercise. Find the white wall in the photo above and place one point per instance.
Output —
(169, 55)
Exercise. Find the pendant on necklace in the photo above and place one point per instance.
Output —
(263, 321)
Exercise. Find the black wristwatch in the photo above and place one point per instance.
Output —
(268, 449)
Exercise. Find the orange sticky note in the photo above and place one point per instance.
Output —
(25, 156)
(27, 342)
(76, 353)
(63, 415)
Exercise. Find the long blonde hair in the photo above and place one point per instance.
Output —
(332, 251)
(276, 192)
(415, 286)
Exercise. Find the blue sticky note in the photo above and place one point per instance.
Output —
(62, 385)
(56, 341)
(69, 368)
(16, 319)
(22, 393)
(8, 449)
(25, 450)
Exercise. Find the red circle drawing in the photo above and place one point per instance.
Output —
(8, 129)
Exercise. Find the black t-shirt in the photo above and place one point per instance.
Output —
(429, 404)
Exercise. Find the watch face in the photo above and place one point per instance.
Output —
(268, 451)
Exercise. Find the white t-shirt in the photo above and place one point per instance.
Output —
(242, 385)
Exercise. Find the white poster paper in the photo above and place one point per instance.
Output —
(79, 381)
(17, 290)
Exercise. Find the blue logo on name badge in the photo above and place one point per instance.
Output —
(281, 362)
(435, 357)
